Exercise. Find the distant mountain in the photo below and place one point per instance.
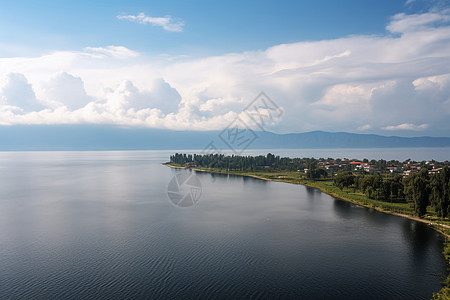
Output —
(321, 139)
(104, 137)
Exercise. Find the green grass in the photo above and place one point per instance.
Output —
(444, 293)
(350, 195)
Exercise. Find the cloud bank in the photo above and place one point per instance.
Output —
(396, 82)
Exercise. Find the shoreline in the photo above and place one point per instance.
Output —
(436, 226)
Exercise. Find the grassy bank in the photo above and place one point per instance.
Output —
(444, 293)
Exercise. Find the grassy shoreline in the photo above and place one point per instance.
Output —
(397, 209)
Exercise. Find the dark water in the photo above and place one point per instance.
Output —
(92, 225)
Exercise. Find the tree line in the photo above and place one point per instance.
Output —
(241, 163)
(420, 189)
(268, 162)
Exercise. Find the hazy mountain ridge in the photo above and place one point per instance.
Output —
(104, 137)
(321, 139)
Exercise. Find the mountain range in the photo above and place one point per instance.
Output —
(108, 137)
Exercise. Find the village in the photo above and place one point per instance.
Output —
(381, 167)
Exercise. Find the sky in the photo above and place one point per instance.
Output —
(379, 67)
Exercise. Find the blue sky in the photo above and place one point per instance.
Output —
(210, 27)
(359, 66)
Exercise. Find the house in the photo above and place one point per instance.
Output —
(356, 165)
(332, 167)
(393, 169)
(435, 171)
(409, 172)
(368, 168)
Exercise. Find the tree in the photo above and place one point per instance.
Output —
(396, 189)
(383, 189)
(373, 187)
(344, 179)
(270, 159)
(440, 192)
(417, 191)
(408, 188)
(316, 173)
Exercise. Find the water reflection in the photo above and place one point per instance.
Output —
(312, 192)
(416, 234)
(100, 225)
(342, 208)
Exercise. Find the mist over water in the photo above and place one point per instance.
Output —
(101, 225)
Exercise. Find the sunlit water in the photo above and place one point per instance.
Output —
(89, 225)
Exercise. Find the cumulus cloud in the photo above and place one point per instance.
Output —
(406, 126)
(17, 92)
(354, 83)
(66, 89)
(167, 23)
(161, 96)
(220, 104)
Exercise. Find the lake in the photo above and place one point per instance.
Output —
(100, 225)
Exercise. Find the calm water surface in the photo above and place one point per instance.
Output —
(90, 225)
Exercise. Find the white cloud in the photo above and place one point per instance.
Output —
(161, 96)
(167, 23)
(17, 92)
(337, 85)
(65, 89)
(112, 51)
(402, 22)
(406, 126)
(364, 127)
(213, 105)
